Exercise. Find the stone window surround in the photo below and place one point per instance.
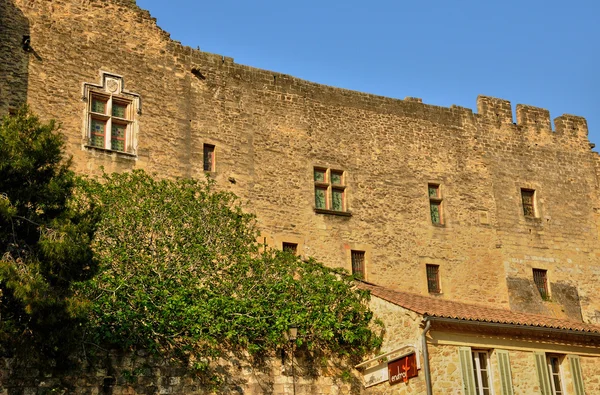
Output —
(541, 283)
(208, 157)
(358, 247)
(359, 263)
(289, 247)
(430, 271)
(329, 188)
(436, 200)
(529, 210)
(112, 86)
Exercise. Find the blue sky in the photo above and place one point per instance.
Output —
(541, 53)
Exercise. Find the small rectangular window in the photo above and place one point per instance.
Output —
(292, 248)
(321, 198)
(358, 263)
(528, 199)
(98, 131)
(433, 278)
(209, 157)
(99, 105)
(320, 175)
(540, 279)
(435, 204)
(330, 189)
(117, 141)
(110, 122)
(119, 110)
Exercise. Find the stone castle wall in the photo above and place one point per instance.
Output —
(270, 130)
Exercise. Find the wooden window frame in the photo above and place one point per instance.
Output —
(436, 200)
(556, 377)
(359, 268)
(432, 269)
(540, 279)
(108, 119)
(208, 149)
(529, 210)
(478, 372)
(330, 188)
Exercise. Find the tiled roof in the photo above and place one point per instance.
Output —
(437, 307)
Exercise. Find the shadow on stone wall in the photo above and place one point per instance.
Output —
(116, 372)
(564, 302)
(14, 60)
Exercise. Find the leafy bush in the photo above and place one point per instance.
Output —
(183, 275)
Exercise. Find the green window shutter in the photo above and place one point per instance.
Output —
(466, 367)
(576, 375)
(505, 376)
(542, 373)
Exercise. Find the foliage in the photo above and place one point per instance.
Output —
(182, 274)
(44, 241)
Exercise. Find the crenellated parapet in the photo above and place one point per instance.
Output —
(498, 110)
(571, 125)
(534, 119)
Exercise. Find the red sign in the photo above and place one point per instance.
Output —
(402, 369)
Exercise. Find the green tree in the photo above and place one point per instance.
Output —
(181, 273)
(44, 240)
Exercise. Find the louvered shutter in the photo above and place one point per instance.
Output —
(542, 373)
(505, 376)
(466, 367)
(576, 375)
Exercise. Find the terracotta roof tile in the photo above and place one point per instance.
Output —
(437, 307)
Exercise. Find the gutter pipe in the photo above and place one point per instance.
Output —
(426, 355)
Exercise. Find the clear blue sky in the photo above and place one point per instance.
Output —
(541, 53)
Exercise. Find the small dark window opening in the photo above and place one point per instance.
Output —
(358, 263)
(540, 278)
(433, 278)
(292, 248)
(528, 199)
(209, 157)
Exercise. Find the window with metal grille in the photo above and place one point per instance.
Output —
(433, 278)
(528, 199)
(209, 157)
(330, 189)
(540, 279)
(358, 263)
(435, 204)
(292, 248)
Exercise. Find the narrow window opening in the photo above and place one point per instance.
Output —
(209, 157)
(358, 263)
(540, 278)
(554, 370)
(433, 279)
(481, 372)
(435, 204)
(528, 199)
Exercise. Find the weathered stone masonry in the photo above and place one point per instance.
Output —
(271, 130)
